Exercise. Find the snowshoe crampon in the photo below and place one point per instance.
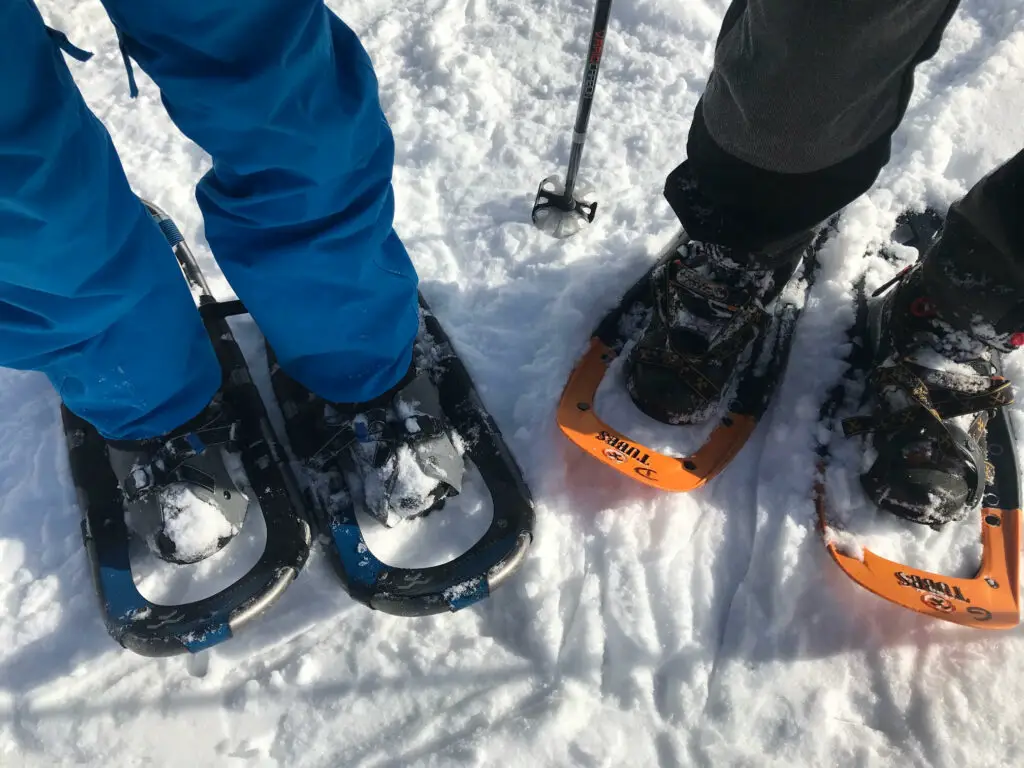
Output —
(162, 630)
(471, 576)
(989, 600)
(765, 364)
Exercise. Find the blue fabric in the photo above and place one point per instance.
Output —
(90, 293)
(298, 209)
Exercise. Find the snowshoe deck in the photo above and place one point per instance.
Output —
(989, 600)
(767, 362)
(162, 630)
(473, 575)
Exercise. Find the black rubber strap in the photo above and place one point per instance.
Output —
(164, 465)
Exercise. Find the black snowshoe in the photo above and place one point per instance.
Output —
(237, 421)
(402, 456)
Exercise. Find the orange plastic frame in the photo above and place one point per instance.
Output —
(579, 422)
(991, 600)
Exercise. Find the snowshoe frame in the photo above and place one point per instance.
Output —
(133, 621)
(471, 576)
(579, 422)
(989, 600)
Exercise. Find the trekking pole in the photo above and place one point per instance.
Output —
(556, 210)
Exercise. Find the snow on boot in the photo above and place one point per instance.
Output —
(180, 495)
(711, 302)
(932, 391)
(397, 451)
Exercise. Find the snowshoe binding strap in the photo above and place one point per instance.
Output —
(373, 426)
(167, 462)
(935, 390)
(943, 405)
(744, 312)
(372, 445)
(952, 450)
(739, 306)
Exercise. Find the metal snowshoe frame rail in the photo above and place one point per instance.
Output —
(133, 621)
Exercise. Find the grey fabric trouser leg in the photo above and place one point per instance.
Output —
(795, 123)
(798, 112)
(801, 85)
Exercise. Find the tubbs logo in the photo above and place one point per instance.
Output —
(617, 456)
(938, 603)
(621, 448)
(939, 591)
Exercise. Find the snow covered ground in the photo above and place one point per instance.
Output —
(643, 629)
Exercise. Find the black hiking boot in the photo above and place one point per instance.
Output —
(397, 452)
(932, 390)
(711, 302)
(181, 494)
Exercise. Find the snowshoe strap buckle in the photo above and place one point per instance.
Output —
(944, 405)
(167, 463)
(740, 331)
(697, 285)
(422, 426)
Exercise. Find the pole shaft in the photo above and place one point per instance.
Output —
(602, 13)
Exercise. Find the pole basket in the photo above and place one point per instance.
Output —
(558, 214)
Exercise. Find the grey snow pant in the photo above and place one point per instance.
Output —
(796, 121)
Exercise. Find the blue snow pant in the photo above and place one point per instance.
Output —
(298, 210)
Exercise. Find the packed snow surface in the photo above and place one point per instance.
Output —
(643, 629)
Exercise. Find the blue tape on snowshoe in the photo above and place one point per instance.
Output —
(195, 442)
(360, 564)
(464, 595)
(123, 601)
(201, 640)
